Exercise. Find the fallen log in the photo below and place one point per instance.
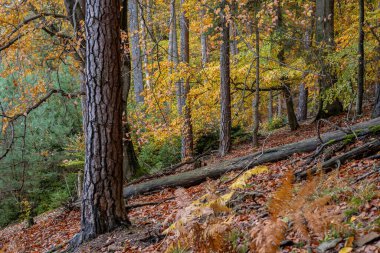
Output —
(197, 176)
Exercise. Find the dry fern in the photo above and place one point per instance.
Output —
(267, 236)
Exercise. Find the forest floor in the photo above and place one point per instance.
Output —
(348, 221)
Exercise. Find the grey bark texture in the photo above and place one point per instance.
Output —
(138, 81)
(103, 207)
(225, 89)
(197, 176)
(187, 127)
(204, 42)
(130, 162)
(302, 102)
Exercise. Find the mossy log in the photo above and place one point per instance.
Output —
(197, 176)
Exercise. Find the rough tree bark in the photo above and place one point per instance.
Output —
(256, 101)
(225, 89)
(103, 207)
(187, 127)
(376, 107)
(138, 81)
(130, 161)
(325, 35)
(361, 67)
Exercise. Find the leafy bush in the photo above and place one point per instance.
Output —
(275, 123)
(157, 155)
(210, 140)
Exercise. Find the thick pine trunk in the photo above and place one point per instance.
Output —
(361, 67)
(136, 51)
(225, 90)
(187, 127)
(103, 207)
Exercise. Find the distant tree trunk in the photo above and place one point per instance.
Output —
(376, 108)
(136, 51)
(204, 42)
(144, 47)
(173, 53)
(187, 128)
(225, 90)
(130, 161)
(302, 102)
(325, 34)
(103, 207)
(359, 103)
(292, 119)
(270, 106)
(256, 101)
(279, 105)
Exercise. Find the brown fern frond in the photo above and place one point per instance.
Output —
(267, 236)
(282, 197)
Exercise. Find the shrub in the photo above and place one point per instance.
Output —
(155, 156)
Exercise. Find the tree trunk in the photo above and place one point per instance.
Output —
(136, 51)
(204, 42)
(199, 175)
(279, 105)
(144, 48)
(376, 108)
(225, 89)
(103, 207)
(130, 161)
(270, 106)
(292, 119)
(187, 127)
(361, 67)
(256, 101)
(233, 42)
(325, 34)
(302, 102)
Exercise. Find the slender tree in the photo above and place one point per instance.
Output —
(292, 118)
(361, 67)
(130, 162)
(225, 89)
(204, 42)
(270, 106)
(325, 39)
(256, 101)
(103, 207)
(136, 50)
(187, 128)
